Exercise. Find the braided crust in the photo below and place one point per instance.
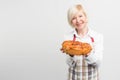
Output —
(76, 47)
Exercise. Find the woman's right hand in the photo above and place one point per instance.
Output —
(63, 51)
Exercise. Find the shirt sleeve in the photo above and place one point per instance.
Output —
(96, 55)
(70, 61)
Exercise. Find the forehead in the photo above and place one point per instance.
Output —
(78, 13)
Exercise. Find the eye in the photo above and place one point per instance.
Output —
(80, 15)
(73, 18)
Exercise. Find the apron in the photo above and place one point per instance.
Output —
(82, 70)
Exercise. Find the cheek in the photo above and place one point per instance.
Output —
(85, 19)
(73, 21)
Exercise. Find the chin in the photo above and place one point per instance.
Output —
(82, 26)
(79, 27)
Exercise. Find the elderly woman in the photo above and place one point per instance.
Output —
(83, 67)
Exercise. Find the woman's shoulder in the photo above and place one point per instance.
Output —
(96, 35)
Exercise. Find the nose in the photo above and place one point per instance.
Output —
(77, 19)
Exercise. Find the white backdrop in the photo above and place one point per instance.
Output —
(31, 32)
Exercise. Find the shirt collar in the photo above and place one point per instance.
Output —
(88, 33)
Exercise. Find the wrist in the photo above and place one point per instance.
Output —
(71, 55)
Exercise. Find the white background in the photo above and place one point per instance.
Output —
(31, 32)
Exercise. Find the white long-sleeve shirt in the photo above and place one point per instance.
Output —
(95, 56)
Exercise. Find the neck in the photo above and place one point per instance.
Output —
(82, 32)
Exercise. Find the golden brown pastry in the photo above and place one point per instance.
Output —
(76, 47)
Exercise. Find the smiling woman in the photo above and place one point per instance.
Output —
(31, 32)
(84, 66)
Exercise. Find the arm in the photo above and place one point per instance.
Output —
(95, 56)
(70, 60)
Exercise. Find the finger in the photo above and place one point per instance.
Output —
(61, 49)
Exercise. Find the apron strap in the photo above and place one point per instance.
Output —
(92, 39)
(74, 37)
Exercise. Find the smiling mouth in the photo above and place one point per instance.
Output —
(80, 23)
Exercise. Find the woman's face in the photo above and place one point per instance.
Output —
(79, 20)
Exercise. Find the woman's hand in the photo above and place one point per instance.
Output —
(63, 51)
(71, 55)
(86, 55)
